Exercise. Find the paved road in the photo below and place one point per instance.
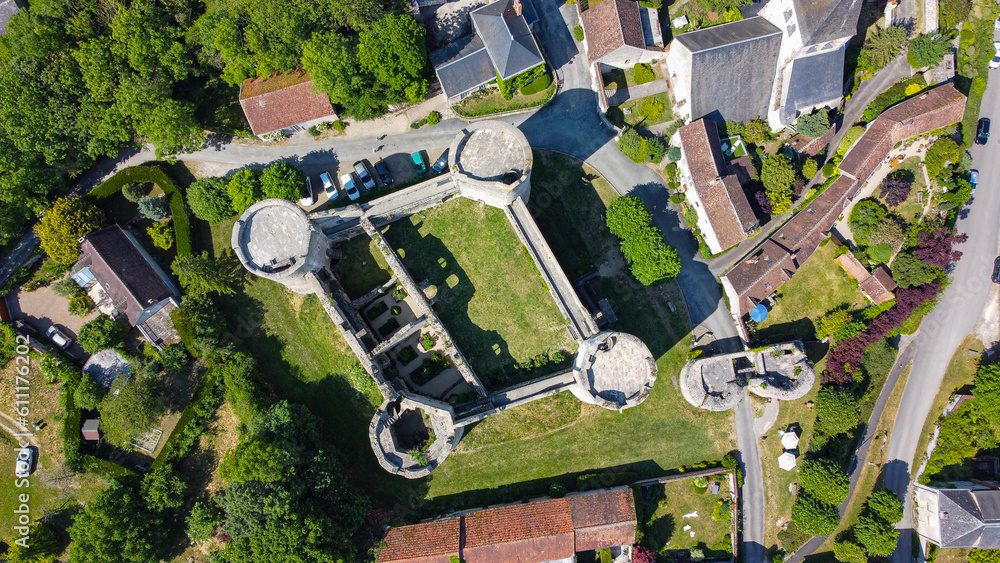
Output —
(951, 320)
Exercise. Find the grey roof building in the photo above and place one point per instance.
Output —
(725, 71)
(816, 79)
(959, 517)
(821, 21)
(502, 45)
(7, 10)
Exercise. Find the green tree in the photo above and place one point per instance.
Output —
(135, 191)
(199, 324)
(132, 413)
(809, 168)
(953, 12)
(102, 333)
(879, 253)
(847, 552)
(627, 215)
(209, 200)
(652, 260)
(162, 235)
(885, 504)
(66, 288)
(838, 410)
(43, 547)
(632, 145)
(825, 480)
(928, 49)
(154, 207)
(778, 177)
(865, 218)
(910, 271)
(943, 151)
(244, 189)
(255, 461)
(987, 391)
(67, 220)
(332, 60)
(878, 358)
(204, 519)
(814, 516)
(200, 273)
(393, 50)
(282, 180)
(756, 132)
(116, 526)
(163, 488)
(878, 537)
(88, 394)
(883, 46)
(832, 323)
(815, 124)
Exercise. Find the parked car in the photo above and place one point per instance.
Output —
(24, 463)
(350, 186)
(996, 270)
(310, 197)
(995, 61)
(383, 173)
(983, 131)
(418, 163)
(973, 179)
(441, 163)
(361, 169)
(328, 186)
(58, 337)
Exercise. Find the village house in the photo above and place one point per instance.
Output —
(284, 102)
(876, 286)
(968, 516)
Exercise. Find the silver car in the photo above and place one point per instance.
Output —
(25, 459)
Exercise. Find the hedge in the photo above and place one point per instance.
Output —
(156, 175)
(537, 85)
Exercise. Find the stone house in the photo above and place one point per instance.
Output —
(778, 65)
(284, 102)
(713, 188)
(876, 286)
(502, 45)
(962, 517)
(128, 282)
(541, 531)
(620, 33)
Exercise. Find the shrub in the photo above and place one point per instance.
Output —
(162, 235)
(654, 150)
(433, 118)
(632, 145)
(642, 244)
(953, 12)
(101, 333)
(824, 480)
(778, 177)
(88, 394)
(814, 516)
(851, 137)
(155, 208)
(909, 271)
(81, 305)
(879, 253)
(832, 323)
(865, 218)
(928, 49)
(894, 189)
(67, 288)
(578, 33)
(677, 199)
(674, 154)
(943, 151)
(756, 132)
(205, 517)
(537, 85)
(281, 180)
(314, 131)
(837, 409)
(815, 124)
(643, 73)
(828, 169)
(135, 191)
(809, 168)
(339, 125)
(878, 358)
(651, 108)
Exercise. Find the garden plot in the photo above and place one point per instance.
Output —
(694, 514)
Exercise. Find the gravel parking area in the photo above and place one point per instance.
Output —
(42, 308)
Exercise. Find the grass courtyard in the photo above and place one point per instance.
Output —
(680, 515)
(818, 287)
(518, 453)
(493, 300)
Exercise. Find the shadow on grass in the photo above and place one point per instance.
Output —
(801, 329)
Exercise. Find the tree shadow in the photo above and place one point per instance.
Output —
(801, 329)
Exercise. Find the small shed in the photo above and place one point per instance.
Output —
(715, 487)
(91, 430)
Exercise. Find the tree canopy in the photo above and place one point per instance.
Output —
(200, 273)
(813, 516)
(883, 45)
(878, 537)
(928, 49)
(866, 216)
(60, 230)
(209, 200)
(116, 526)
(838, 410)
(133, 411)
(394, 52)
(825, 480)
(282, 180)
(244, 189)
(886, 505)
(778, 177)
(815, 124)
(101, 333)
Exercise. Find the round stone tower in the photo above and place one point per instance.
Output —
(274, 239)
(490, 161)
(614, 370)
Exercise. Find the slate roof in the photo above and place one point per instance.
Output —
(269, 108)
(430, 542)
(815, 80)
(7, 10)
(523, 533)
(732, 68)
(826, 20)
(725, 205)
(969, 518)
(610, 25)
(125, 271)
(463, 65)
(507, 37)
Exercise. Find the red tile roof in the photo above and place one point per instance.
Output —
(725, 205)
(610, 25)
(420, 543)
(603, 519)
(517, 522)
(853, 266)
(879, 286)
(282, 101)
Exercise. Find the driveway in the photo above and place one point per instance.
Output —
(42, 308)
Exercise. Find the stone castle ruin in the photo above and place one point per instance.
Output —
(427, 404)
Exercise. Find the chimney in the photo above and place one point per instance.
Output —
(517, 7)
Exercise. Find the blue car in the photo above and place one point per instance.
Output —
(973, 179)
(418, 163)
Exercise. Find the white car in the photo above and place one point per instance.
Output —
(350, 186)
(25, 459)
(58, 337)
(329, 187)
(310, 197)
(995, 62)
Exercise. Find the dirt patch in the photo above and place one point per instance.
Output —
(202, 467)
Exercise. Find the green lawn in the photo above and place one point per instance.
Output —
(362, 268)
(819, 286)
(670, 502)
(490, 101)
(635, 119)
(493, 300)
